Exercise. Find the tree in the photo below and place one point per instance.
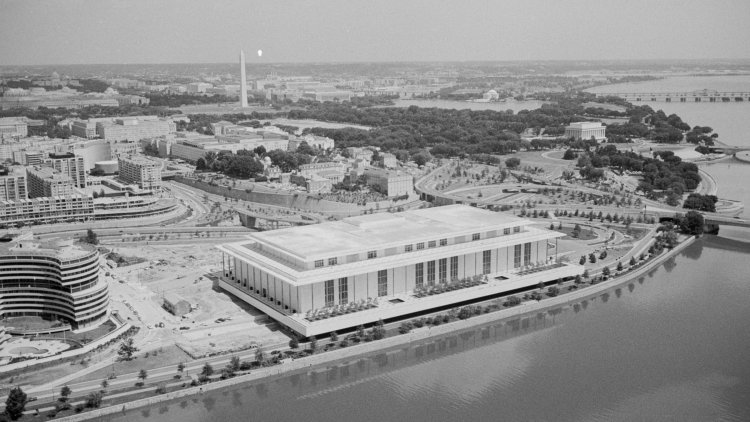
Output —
(293, 343)
(142, 374)
(94, 400)
(91, 237)
(619, 266)
(234, 364)
(260, 357)
(207, 369)
(305, 148)
(200, 165)
(180, 367)
(605, 271)
(632, 261)
(127, 349)
(569, 154)
(576, 231)
(421, 158)
(64, 393)
(691, 223)
(313, 344)
(582, 260)
(15, 403)
(105, 384)
(513, 162)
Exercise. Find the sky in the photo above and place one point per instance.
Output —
(213, 31)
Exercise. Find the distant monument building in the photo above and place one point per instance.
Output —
(243, 81)
(585, 130)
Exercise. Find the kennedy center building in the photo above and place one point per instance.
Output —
(337, 275)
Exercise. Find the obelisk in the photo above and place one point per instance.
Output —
(243, 81)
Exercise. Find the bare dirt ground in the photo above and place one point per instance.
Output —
(183, 269)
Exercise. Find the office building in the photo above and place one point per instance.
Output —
(140, 171)
(70, 208)
(58, 281)
(70, 165)
(12, 183)
(388, 182)
(338, 275)
(13, 127)
(585, 131)
(134, 129)
(47, 182)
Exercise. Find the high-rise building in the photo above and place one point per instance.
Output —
(140, 171)
(243, 81)
(53, 280)
(69, 164)
(46, 182)
(12, 184)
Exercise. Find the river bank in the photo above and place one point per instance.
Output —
(416, 335)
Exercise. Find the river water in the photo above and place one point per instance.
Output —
(672, 345)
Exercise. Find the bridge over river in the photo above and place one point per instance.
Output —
(705, 95)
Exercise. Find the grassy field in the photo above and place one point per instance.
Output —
(169, 355)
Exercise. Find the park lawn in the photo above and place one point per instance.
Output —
(170, 355)
(586, 233)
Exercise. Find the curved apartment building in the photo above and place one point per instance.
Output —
(53, 280)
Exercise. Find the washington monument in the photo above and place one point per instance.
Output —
(243, 81)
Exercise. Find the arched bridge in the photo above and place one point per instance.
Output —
(705, 95)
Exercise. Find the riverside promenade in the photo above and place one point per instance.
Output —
(415, 335)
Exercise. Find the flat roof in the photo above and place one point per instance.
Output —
(380, 231)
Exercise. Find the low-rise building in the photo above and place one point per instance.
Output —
(13, 127)
(176, 304)
(390, 183)
(74, 207)
(386, 266)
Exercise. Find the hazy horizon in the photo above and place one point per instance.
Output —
(71, 32)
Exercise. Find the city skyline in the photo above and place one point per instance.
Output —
(336, 31)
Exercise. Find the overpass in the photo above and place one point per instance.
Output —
(711, 221)
(705, 95)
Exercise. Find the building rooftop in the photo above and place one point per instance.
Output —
(586, 125)
(65, 250)
(380, 231)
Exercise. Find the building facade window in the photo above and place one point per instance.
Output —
(408, 248)
(517, 256)
(526, 253)
(431, 244)
(443, 242)
(431, 272)
(372, 254)
(383, 283)
(419, 279)
(506, 230)
(443, 270)
(517, 229)
(454, 268)
(486, 262)
(329, 293)
(343, 291)
(420, 246)
(475, 236)
(333, 261)
(319, 263)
